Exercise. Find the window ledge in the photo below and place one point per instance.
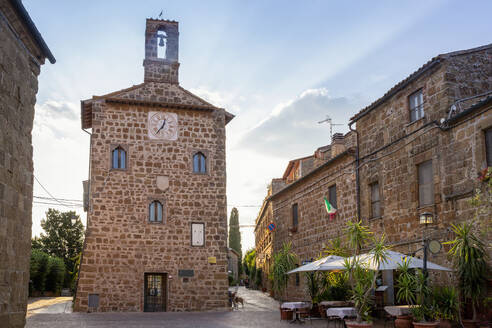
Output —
(414, 122)
(376, 218)
(200, 173)
(118, 170)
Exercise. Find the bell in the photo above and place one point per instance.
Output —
(161, 42)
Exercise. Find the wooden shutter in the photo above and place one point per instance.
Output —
(426, 184)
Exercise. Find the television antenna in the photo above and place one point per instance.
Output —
(329, 121)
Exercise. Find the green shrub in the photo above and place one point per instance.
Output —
(56, 274)
(38, 270)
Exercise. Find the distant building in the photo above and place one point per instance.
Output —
(233, 258)
(156, 235)
(419, 148)
(22, 52)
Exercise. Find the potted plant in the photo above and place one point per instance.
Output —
(406, 292)
(424, 314)
(469, 257)
(313, 288)
(446, 305)
(284, 261)
(363, 280)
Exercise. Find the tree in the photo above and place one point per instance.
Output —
(63, 238)
(235, 235)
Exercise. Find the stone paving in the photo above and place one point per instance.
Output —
(259, 311)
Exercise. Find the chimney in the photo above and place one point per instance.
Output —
(337, 144)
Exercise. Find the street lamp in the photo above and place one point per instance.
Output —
(73, 219)
(426, 218)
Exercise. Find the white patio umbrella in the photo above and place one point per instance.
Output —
(314, 266)
(393, 259)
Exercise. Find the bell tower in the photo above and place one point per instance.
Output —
(161, 51)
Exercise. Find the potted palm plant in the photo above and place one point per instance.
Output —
(406, 292)
(446, 305)
(361, 279)
(284, 261)
(469, 257)
(424, 314)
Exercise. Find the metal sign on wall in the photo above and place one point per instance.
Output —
(186, 273)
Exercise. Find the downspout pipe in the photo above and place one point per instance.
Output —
(357, 179)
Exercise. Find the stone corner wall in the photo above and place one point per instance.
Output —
(18, 88)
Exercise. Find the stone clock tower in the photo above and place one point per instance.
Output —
(156, 194)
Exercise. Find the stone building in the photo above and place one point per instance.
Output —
(22, 52)
(157, 224)
(418, 149)
(422, 146)
(297, 207)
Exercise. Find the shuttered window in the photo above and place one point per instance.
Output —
(332, 196)
(416, 105)
(488, 146)
(426, 184)
(295, 218)
(375, 200)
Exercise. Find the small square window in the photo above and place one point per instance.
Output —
(416, 105)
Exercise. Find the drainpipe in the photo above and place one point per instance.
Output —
(357, 181)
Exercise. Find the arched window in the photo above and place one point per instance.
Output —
(199, 163)
(118, 158)
(161, 44)
(155, 211)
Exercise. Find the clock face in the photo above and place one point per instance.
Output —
(163, 125)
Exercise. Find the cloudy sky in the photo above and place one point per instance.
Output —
(279, 66)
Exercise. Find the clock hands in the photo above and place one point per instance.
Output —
(162, 126)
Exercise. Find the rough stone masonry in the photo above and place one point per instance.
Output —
(22, 52)
(157, 221)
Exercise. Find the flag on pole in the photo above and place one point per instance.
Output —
(332, 211)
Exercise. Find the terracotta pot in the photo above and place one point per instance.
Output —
(286, 314)
(425, 324)
(315, 313)
(322, 311)
(469, 323)
(355, 324)
(445, 323)
(403, 321)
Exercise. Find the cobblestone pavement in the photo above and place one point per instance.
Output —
(255, 300)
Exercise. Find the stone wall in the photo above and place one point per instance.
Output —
(121, 244)
(392, 147)
(18, 88)
(315, 228)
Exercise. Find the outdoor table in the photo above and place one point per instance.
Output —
(397, 310)
(295, 306)
(341, 312)
(333, 303)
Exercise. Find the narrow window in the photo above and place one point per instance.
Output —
(155, 211)
(488, 146)
(118, 158)
(197, 234)
(426, 184)
(295, 219)
(199, 163)
(332, 196)
(416, 105)
(375, 200)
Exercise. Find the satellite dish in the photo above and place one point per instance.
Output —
(434, 246)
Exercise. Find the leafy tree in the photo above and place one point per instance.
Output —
(55, 275)
(63, 238)
(38, 269)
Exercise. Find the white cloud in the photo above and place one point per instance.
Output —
(292, 128)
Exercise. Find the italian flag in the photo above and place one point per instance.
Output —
(332, 211)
